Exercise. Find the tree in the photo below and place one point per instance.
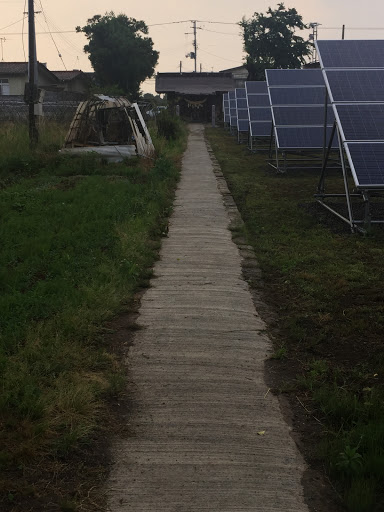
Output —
(270, 41)
(120, 54)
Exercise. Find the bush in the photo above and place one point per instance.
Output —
(168, 125)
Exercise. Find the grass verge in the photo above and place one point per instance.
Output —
(79, 238)
(326, 287)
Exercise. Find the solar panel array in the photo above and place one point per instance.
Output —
(232, 109)
(354, 75)
(226, 108)
(242, 110)
(259, 109)
(297, 98)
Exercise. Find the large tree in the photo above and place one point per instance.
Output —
(120, 53)
(270, 41)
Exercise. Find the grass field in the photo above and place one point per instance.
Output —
(327, 288)
(78, 239)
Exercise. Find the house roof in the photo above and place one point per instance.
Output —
(14, 68)
(68, 75)
(21, 68)
(194, 83)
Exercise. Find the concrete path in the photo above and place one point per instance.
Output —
(206, 435)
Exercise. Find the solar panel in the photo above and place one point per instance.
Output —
(226, 115)
(258, 100)
(232, 104)
(240, 93)
(367, 163)
(302, 116)
(231, 95)
(351, 54)
(361, 122)
(243, 114)
(356, 85)
(233, 121)
(260, 129)
(241, 103)
(297, 96)
(294, 77)
(243, 125)
(256, 88)
(260, 114)
(308, 137)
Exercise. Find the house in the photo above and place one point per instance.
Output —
(74, 81)
(14, 75)
(195, 93)
(240, 75)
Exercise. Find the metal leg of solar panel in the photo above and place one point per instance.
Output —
(326, 154)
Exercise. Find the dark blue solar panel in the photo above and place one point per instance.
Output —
(232, 104)
(243, 125)
(233, 112)
(367, 163)
(297, 77)
(233, 121)
(297, 96)
(304, 116)
(362, 122)
(243, 114)
(351, 54)
(226, 115)
(260, 114)
(356, 85)
(256, 87)
(261, 129)
(240, 93)
(258, 100)
(241, 103)
(308, 137)
(232, 95)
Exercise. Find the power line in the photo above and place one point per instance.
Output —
(217, 56)
(14, 23)
(22, 31)
(53, 40)
(217, 32)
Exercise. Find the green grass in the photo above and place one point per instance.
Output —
(79, 238)
(327, 287)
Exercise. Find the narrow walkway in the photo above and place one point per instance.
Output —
(199, 398)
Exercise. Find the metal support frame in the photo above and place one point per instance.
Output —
(362, 225)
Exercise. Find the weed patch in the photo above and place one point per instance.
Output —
(79, 238)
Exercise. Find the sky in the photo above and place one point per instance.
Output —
(218, 36)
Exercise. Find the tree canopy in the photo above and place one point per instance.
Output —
(120, 53)
(270, 41)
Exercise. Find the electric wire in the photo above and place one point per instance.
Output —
(53, 40)
(14, 23)
(22, 32)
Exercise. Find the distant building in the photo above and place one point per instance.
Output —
(14, 75)
(240, 75)
(195, 93)
(74, 81)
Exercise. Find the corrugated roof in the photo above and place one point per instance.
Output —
(194, 83)
(67, 75)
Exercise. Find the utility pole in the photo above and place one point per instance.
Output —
(32, 70)
(313, 37)
(343, 32)
(195, 43)
(2, 40)
(193, 55)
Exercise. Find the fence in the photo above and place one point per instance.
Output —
(56, 106)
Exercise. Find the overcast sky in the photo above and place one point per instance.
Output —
(220, 44)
